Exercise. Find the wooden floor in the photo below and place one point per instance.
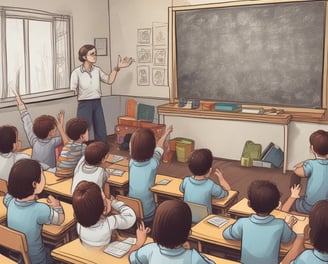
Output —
(238, 177)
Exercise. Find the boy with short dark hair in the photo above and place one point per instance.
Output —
(42, 135)
(9, 147)
(261, 233)
(77, 131)
(91, 166)
(198, 188)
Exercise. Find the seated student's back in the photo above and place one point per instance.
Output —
(261, 233)
(9, 147)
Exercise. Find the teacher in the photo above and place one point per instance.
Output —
(85, 81)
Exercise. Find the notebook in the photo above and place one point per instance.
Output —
(120, 248)
(218, 221)
(116, 172)
(117, 158)
(163, 182)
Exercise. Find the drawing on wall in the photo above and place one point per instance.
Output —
(144, 54)
(144, 35)
(143, 75)
(158, 76)
(160, 33)
(159, 56)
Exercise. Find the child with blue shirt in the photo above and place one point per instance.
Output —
(171, 227)
(145, 158)
(261, 233)
(316, 172)
(42, 135)
(317, 231)
(24, 213)
(198, 188)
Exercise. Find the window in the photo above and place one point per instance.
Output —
(35, 54)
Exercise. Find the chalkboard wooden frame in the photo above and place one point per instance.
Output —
(298, 112)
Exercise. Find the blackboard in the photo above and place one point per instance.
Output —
(267, 54)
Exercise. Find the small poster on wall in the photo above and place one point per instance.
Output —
(143, 75)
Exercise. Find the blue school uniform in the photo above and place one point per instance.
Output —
(155, 254)
(28, 217)
(311, 256)
(201, 191)
(260, 238)
(316, 170)
(141, 179)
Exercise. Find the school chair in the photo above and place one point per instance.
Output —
(198, 211)
(3, 187)
(136, 205)
(14, 241)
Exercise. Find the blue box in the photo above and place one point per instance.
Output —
(273, 154)
(229, 107)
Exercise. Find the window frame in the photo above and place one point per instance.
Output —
(35, 15)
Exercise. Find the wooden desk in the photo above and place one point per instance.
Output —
(124, 162)
(171, 190)
(204, 232)
(119, 184)
(3, 211)
(60, 189)
(27, 151)
(75, 253)
(172, 109)
(6, 260)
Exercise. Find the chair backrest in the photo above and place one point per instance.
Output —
(133, 203)
(198, 211)
(14, 241)
(3, 187)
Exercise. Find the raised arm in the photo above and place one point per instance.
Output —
(160, 142)
(294, 194)
(121, 63)
(222, 181)
(60, 127)
(299, 169)
(141, 233)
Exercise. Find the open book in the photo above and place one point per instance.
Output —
(115, 172)
(120, 248)
(117, 158)
(218, 220)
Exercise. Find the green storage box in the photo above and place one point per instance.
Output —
(183, 147)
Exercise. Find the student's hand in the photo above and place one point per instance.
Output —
(295, 191)
(60, 118)
(298, 165)
(52, 201)
(290, 220)
(18, 146)
(126, 62)
(107, 206)
(169, 130)
(218, 173)
(20, 102)
(141, 233)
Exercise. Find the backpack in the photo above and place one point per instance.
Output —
(251, 151)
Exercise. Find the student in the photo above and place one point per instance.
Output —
(92, 210)
(317, 231)
(71, 153)
(315, 170)
(42, 135)
(91, 166)
(85, 81)
(9, 150)
(261, 233)
(24, 213)
(145, 158)
(171, 227)
(198, 188)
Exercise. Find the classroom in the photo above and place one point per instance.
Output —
(146, 31)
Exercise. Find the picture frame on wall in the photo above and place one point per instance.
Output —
(101, 46)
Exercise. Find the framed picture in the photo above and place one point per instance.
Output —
(143, 75)
(158, 76)
(144, 36)
(101, 46)
(160, 34)
(159, 55)
(144, 54)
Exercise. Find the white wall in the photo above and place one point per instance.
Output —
(224, 138)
